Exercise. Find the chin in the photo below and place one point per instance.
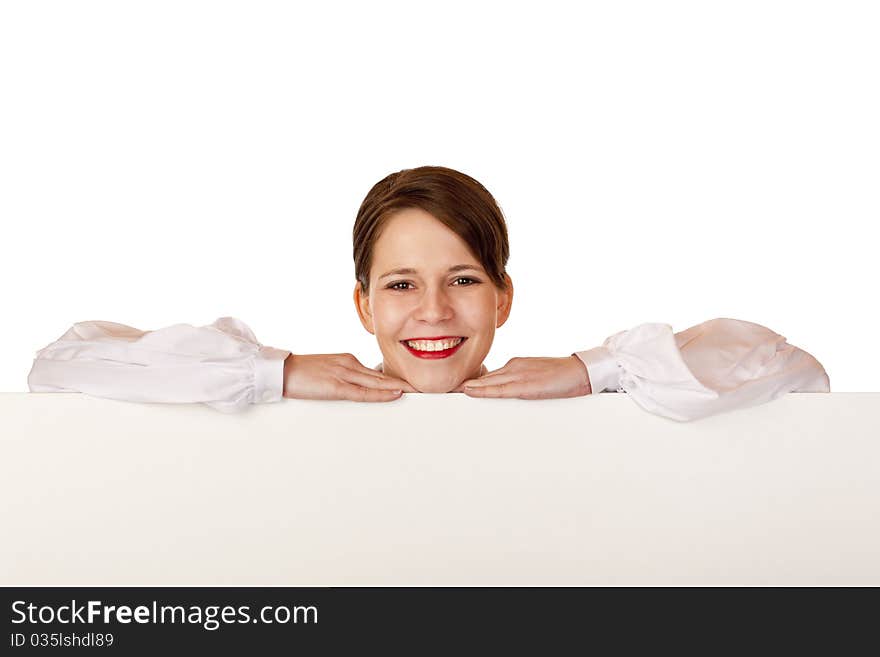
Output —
(434, 386)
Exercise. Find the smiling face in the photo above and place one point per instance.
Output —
(430, 305)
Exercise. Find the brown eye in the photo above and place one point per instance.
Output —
(395, 286)
(467, 280)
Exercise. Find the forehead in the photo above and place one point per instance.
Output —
(414, 238)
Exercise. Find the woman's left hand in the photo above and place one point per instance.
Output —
(532, 378)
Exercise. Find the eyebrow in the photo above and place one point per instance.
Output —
(404, 271)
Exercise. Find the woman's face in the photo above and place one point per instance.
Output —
(431, 305)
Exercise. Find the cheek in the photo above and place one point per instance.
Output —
(389, 316)
(479, 314)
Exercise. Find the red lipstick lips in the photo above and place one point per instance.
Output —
(431, 355)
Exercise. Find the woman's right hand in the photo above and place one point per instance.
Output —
(338, 376)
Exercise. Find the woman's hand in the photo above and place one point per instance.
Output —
(532, 378)
(338, 376)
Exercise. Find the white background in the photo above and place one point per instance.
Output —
(166, 162)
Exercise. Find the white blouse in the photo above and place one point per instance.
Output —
(713, 367)
(221, 365)
(716, 366)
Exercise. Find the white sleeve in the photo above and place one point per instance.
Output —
(716, 366)
(221, 365)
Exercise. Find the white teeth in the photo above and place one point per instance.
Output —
(433, 345)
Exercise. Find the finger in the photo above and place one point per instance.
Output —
(356, 366)
(405, 385)
(491, 379)
(521, 389)
(402, 384)
(509, 372)
(358, 393)
(395, 383)
(378, 383)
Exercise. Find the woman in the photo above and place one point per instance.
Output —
(430, 252)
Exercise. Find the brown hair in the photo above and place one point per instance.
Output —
(458, 201)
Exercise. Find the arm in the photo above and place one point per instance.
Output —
(221, 365)
(710, 368)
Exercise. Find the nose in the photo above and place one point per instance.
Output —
(434, 306)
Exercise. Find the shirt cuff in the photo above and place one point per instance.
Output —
(269, 375)
(602, 369)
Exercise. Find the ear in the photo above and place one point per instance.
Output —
(362, 305)
(505, 301)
